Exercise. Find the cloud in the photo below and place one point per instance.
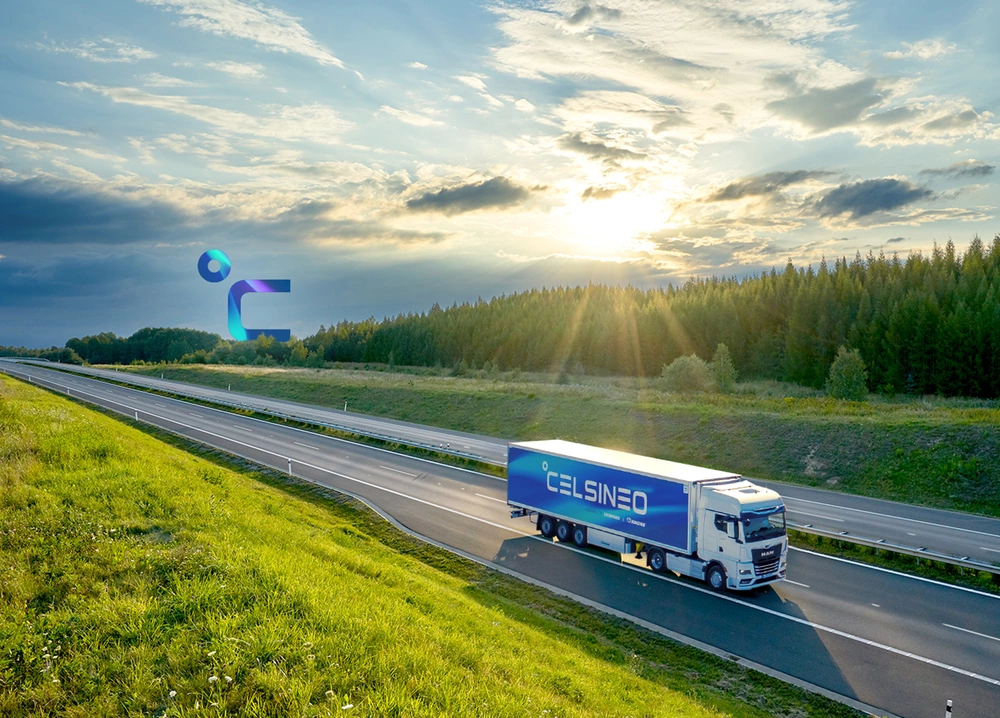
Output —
(417, 65)
(155, 79)
(600, 192)
(494, 193)
(104, 50)
(410, 118)
(476, 83)
(586, 14)
(269, 27)
(895, 240)
(597, 150)
(315, 122)
(44, 211)
(524, 106)
(820, 109)
(239, 70)
(924, 50)
(766, 184)
(316, 223)
(624, 109)
(965, 168)
(48, 129)
(868, 197)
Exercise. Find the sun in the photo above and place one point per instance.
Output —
(614, 227)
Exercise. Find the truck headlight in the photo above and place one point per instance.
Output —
(745, 572)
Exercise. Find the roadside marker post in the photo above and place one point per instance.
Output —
(947, 710)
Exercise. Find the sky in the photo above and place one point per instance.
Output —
(386, 156)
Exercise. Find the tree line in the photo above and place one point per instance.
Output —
(926, 324)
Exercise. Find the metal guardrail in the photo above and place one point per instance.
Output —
(437, 448)
(963, 561)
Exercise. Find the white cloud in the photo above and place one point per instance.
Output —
(410, 118)
(103, 50)
(456, 98)
(269, 27)
(924, 50)
(48, 129)
(76, 172)
(239, 70)
(476, 83)
(315, 122)
(524, 106)
(417, 65)
(155, 79)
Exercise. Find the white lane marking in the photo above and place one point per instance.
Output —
(398, 471)
(299, 443)
(491, 498)
(242, 428)
(974, 633)
(645, 572)
(983, 548)
(818, 516)
(191, 413)
(893, 516)
(909, 534)
(894, 573)
(876, 605)
(796, 583)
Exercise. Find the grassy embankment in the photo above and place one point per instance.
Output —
(934, 452)
(137, 578)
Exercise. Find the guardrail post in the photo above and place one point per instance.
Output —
(289, 467)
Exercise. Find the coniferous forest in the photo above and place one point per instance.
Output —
(926, 324)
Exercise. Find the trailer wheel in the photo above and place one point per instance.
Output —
(657, 560)
(716, 577)
(547, 525)
(564, 531)
(580, 536)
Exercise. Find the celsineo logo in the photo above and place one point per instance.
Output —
(596, 492)
(244, 286)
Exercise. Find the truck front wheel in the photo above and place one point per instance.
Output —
(564, 531)
(657, 560)
(716, 578)
(547, 525)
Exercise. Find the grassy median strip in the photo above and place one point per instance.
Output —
(137, 578)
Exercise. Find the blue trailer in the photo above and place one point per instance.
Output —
(687, 519)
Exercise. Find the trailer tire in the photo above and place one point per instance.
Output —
(564, 531)
(715, 577)
(547, 525)
(580, 536)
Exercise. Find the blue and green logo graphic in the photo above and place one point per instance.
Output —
(244, 286)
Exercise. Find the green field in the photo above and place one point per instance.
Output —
(137, 578)
(935, 452)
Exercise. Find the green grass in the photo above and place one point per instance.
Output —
(137, 578)
(935, 452)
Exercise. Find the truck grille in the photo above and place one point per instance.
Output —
(763, 569)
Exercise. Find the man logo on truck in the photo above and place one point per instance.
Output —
(596, 492)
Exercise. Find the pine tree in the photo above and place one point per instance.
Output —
(723, 369)
(847, 376)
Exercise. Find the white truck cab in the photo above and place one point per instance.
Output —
(741, 535)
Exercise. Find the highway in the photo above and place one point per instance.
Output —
(944, 532)
(898, 644)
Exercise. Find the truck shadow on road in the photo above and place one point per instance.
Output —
(732, 623)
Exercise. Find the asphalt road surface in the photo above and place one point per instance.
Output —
(899, 644)
(938, 531)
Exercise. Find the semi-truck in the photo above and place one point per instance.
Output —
(690, 520)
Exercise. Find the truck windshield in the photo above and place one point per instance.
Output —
(761, 526)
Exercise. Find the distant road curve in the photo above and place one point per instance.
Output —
(937, 531)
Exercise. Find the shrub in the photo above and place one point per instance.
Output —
(848, 376)
(688, 374)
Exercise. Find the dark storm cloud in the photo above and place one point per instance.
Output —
(597, 150)
(861, 199)
(766, 184)
(37, 210)
(493, 193)
(821, 109)
(960, 170)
